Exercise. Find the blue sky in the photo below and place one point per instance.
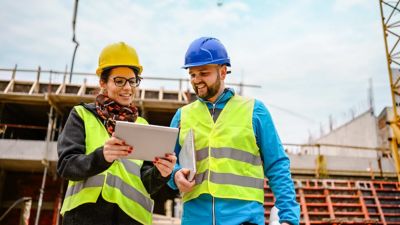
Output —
(312, 57)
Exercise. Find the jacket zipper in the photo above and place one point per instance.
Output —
(213, 199)
(213, 211)
(215, 104)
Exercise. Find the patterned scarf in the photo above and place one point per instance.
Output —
(110, 111)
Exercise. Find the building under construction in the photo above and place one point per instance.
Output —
(339, 178)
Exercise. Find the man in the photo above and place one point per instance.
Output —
(236, 144)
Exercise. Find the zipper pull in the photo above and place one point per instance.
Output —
(213, 111)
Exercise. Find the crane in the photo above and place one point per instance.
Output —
(390, 15)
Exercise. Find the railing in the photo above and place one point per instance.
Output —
(300, 148)
(85, 75)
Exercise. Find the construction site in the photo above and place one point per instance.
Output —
(350, 175)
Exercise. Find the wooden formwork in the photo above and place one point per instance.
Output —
(344, 201)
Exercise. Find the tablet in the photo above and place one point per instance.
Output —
(187, 156)
(148, 141)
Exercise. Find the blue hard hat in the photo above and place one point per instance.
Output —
(206, 50)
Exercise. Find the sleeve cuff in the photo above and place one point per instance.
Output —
(158, 175)
(286, 221)
(171, 182)
(102, 163)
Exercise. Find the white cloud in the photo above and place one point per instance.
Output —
(345, 5)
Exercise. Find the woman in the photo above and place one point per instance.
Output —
(105, 188)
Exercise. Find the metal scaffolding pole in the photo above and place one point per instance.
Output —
(39, 207)
(45, 164)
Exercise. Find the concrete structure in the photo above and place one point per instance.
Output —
(384, 131)
(361, 134)
(359, 147)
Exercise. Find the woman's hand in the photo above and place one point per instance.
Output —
(115, 148)
(165, 165)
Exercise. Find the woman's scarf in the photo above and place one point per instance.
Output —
(110, 111)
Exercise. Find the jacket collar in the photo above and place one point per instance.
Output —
(227, 94)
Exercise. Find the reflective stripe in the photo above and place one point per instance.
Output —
(200, 177)
(131, 167)
(201, 154)
(230, 153)
(130, 192)
(227, 178)
(235, 154)
(95, 181)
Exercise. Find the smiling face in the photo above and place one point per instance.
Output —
(208, 81)
(123, 95)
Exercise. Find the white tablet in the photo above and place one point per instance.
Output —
(149, 141)
(187, 155)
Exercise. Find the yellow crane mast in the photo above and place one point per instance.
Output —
(390, 15)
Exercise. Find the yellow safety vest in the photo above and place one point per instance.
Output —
(227, 156)
(120, 183)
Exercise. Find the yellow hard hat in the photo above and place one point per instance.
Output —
(118, 54)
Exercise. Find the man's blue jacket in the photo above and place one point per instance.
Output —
(204, 209)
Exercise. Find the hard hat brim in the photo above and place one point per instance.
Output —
(218, 62)
(135, 68)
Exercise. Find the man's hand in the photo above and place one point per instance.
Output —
(115, 148)
(182, 182)
(165, 165)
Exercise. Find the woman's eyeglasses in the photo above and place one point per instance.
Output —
(121, 81)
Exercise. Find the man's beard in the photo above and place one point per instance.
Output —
(211, 90)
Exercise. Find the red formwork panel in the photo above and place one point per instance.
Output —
(334, 201)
